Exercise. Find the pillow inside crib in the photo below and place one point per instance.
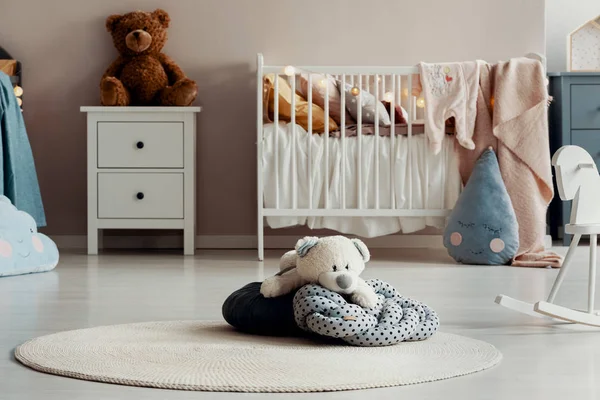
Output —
(483, 228)
(301, 106)
(369, 106)
(9, 67)
(400, 114)
(319, 84)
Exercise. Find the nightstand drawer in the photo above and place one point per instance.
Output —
(140, 145)
(590, 141)
(140, 195)
(585, 106)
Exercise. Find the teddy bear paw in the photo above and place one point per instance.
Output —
(366, 299)
(183, 92)
(270, 287)
(112, 92)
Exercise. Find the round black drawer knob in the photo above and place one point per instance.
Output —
(139, 145)
(140, 195)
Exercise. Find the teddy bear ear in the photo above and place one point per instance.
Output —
(162, 16)
(305, 244)
(362, 249)
(112, 22)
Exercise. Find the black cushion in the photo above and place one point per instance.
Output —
(249, 311)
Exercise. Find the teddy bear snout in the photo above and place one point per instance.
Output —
(344, 281)
(138, 40)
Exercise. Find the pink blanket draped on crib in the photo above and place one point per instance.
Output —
(512, 118)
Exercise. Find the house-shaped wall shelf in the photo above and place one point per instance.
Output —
(583, 47)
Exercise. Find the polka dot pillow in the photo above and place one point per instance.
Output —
(394, 318)
(482, 228)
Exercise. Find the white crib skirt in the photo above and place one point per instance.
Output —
(435, 180)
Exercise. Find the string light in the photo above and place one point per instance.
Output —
(323, 82)
(354, 91)
(289, 70)
(388, 96)
(420, 102)
(405, 92)
(19, 101)
(18, 91)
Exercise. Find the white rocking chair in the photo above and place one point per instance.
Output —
(578, 180)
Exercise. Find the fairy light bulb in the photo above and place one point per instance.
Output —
(388, 96)
(405, 92)
(378, 79)
(323, 82)
(19, 101)
(420, 102)
(354, 91)
(18, 91)
(289, 70)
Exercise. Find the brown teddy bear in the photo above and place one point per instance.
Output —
(142, 75)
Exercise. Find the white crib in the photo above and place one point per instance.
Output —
(385, 194)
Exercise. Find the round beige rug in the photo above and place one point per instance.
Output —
(211, 356)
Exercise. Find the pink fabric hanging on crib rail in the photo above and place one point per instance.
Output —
(512, 118)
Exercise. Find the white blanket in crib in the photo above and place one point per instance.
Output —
(435, 178)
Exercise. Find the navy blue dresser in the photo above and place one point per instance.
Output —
(574, 119)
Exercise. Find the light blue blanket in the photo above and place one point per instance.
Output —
(18, 178)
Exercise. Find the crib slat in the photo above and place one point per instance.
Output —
(309, 150)
(376, 143)
(409, 156)
(326, 186)
(399, 91)
(392, 147)
(276, 132)
(359, 133)
(294, 161)
(443, 171)
(426, 185)
(367, 83)
(343, 121)
(414, 104)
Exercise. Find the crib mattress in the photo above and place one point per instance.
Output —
(435, 179)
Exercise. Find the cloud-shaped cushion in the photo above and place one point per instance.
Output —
(482, 228)
(22, 249)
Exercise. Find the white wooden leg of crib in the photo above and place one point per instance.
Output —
(261, 238)
(592, 273)
(563, 269)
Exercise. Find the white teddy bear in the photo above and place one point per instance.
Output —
(334, 262)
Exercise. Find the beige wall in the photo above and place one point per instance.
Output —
(64, 49)
(562, 17)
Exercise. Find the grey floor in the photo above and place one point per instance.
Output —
(542, 359)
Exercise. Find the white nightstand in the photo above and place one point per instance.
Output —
(141, 170)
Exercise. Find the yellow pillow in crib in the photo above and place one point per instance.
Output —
(302, 106)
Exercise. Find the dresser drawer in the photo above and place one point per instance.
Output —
(140, 195)
(585, 106)
(140, 145)
(590, 141)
